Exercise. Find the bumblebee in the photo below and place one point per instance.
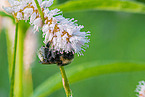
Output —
(47, 56)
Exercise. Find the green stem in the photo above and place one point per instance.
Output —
(28, 84)
(19, 63)
(39, 9)
(14, 62)
(65, 82)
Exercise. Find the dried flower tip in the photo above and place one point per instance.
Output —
(27, 9)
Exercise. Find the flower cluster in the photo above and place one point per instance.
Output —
(141, 89)
(27, 10)
(63, 33)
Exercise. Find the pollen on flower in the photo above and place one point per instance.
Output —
(140, 89)
(62, 33)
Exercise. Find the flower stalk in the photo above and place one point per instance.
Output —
(65, 82)
(39, 9)
(14, 62)
(18, 92)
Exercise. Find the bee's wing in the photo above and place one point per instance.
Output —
(41, 53)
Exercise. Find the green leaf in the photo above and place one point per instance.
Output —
(83, 71)
(110, 5)
(6, 15)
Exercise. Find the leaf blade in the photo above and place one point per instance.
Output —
(83, 71)
(110, 5)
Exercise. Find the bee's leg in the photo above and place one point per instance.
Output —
(46, 51)
(52, 60)
(57, 57)
(44, 62)
(40, 62)
(60, 63)
(64, 55)
(48, 44)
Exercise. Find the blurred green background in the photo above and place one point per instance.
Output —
(115, 36)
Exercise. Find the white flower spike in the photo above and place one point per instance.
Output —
(62, 33)
(141, 89)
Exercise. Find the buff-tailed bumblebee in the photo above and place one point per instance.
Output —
(48, 56)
